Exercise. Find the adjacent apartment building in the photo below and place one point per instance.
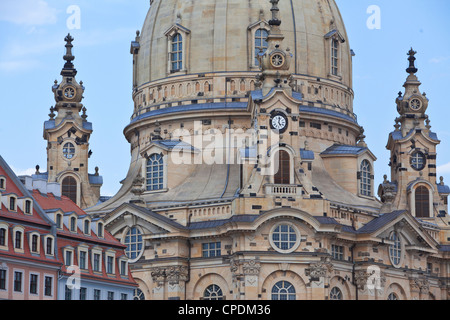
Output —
(50, 249)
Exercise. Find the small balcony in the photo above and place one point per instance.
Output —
(283, 189)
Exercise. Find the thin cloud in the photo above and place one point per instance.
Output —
(444, 168)
(438, 60)
(23, 172)
(27, 12)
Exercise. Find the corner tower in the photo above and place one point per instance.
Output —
(413, 156)
(67, 133)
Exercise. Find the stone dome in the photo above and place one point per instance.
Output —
(218, 48)
(219, 33)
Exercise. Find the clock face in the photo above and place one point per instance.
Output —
(415, 104)
(279, 122)
(69, 93)
(277, 60)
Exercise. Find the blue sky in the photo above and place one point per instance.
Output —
(32, 46)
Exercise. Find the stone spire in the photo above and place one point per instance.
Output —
(276, 61)
(412, 104)
(69, 69)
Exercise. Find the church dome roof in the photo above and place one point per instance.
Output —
(219, 37)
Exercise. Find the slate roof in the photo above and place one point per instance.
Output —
(193, 107)
(380, 222)
(343, 149)
(306, 154)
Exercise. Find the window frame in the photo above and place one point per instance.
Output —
(21, 272)
(292, 245)
(36, 284)
(160, 163)
(185, 37)
(396, 251)
(212, 249)
(215, 293)
(289, 295)
(139, 252)
(366, 178)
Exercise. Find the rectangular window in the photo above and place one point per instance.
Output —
(18, 243)
(315, 125)
(34, 243)
(28, 206)
(83, 260)
(96, 262)
(49, 246)
(212, 249)
(17, 281)
(110, 295)
(12, 204)
(2, 237)
(123, 296)
(48, 283)
(83, 292)
(34, 283)
(123, 268)
(335, 57)
(337, 252)
(68, 258)
(97, 294)
(68, 294)
(109, 264)
(2, 279)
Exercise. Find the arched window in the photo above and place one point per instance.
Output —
(100, 230)
(49, 246)
(261, 44)
(87, 226)
(69, 188)
(34, 243)
(12, 204)
(422, 202)
(176, 55)
(2, 236)
(18, 240)
(283, 176)
(213, 292)
(366, 179)
(335, 294)
(28, 206)
(395, 250)
(68, 150)
(138, 295)
(392, 296)
(134, 243)
(283, 290)
(155, 173)
(73, 224)
(59, 221)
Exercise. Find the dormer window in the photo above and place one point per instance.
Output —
(177, 44)
(18, 239)
(335, 57)
(59, 221)
(155, 173)
(100, 229)
(34, 243)
(2, 183)
(12, 203)
(87, 227)
(176, 54)
(49, 243)
(366, 179)
(28, 206)
(73, 224)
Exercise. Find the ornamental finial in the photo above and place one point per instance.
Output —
(412, 68)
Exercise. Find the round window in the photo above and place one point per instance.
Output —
(418, 161)
(285, 238)
(69, 151)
